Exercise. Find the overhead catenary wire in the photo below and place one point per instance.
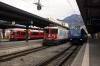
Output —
(35, 7)
(54, 8)
(71, 6)
(28, 2)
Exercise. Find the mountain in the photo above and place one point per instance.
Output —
(74, 20)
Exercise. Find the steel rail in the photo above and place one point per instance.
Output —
(17, 54)
(65, 57)
(45, 62)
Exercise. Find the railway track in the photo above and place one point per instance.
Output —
(60, 58)
(14, 55)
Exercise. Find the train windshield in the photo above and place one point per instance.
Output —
(53, 31)
(75, 32)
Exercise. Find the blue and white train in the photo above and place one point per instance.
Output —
(77, 35)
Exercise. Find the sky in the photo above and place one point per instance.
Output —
(57, 9)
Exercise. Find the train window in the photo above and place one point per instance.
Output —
(18, 33)
(54, 31)
(46, 30)
(74, 32)
(34, 33)
(23, 33)
(78, 31)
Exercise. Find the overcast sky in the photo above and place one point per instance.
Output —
(57, 9)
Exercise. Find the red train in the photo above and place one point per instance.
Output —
(20, 34)
(54, 35)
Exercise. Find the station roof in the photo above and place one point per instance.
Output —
(5, 26)
(90, 11)
(10, 13)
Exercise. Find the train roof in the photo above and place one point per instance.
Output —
(75, 28)
(17, 29)
(37, 30)
(25, 29)
(54, 27)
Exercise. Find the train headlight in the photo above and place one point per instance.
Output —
(80, 39)
(70, 39)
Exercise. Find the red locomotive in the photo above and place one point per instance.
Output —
(54, 35)
(20, 34)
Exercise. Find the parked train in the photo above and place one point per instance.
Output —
(20, 34)
(77, 35)
(54, 35)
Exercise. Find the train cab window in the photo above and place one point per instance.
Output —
(54, 31)
(46, 30)
(23, 33)
(18, 33)
(77, 31)
(34, 33)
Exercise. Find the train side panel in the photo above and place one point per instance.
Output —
(36, 34)
(20, 34)
(63, 35)
(17, 35)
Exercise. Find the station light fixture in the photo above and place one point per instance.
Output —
(13, 22)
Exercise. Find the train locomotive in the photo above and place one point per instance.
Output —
(20, 34)
(55, 35)
(77, 35)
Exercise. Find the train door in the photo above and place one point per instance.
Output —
(23, 34)
(18, 36)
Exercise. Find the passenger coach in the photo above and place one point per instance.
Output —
(20, 34)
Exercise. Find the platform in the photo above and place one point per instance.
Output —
(13, 47)
(4, 40)
(89, 55)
